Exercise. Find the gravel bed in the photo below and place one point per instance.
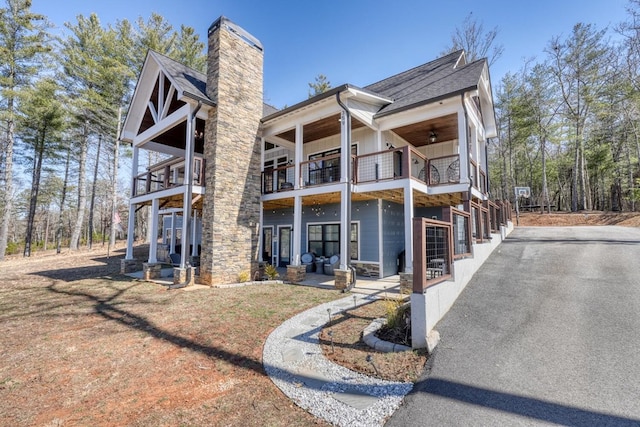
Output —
(293, 359)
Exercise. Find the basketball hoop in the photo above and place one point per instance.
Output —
(523, 192)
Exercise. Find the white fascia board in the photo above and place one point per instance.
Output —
(307, 114)
(453, 188)
(127, 136)
(420, 114)
(174, 191)
(363, 111)
(476, 193)
(310, 191)
(281, 142)
(170, 211)
(393, 184)
(161, 148)
(141, 96)
(163, 125)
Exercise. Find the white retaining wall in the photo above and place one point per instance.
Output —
(428, 308)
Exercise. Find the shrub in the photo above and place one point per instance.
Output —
(271, 272)
(13, 248)
(243, 276)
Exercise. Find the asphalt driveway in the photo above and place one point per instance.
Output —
(546, 333)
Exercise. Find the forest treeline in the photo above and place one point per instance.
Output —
(568, 123)
(62, 101)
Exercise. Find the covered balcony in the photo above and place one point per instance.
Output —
(168, 174)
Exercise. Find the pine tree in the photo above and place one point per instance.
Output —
(23, 42)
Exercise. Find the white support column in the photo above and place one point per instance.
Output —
(345, 192)
(297, 230)
(134, 167)
(188, 186)
(194, 230)
(172, 243)
(153, 232)
(299, 154)
(261, 234)
(408, 228)
(380, 238)
(132, 208)
(131, 229)
(345, 229)
(463, 145)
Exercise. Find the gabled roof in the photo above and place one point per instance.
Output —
(192, 82)
(438, 79)
(187, 80)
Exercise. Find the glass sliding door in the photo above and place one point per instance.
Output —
(284, 246)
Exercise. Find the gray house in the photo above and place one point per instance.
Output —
(338, 175)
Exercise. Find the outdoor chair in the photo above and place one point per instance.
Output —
(175, 259)
(331, 265)
(308, 260)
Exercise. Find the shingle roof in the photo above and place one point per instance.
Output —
(420, 85)
(192, 81)
(186, 79)
(428, 82)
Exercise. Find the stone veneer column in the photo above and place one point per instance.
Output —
(231, 211)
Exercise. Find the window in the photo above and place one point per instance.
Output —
(281, 176)
(324, 239)
(321, 171)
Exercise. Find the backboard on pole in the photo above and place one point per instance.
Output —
(523, 192)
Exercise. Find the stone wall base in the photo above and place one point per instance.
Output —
(296, 273)
(180, 275)
(406, 283)
(151, 271)
(343, 279)
(128, 266)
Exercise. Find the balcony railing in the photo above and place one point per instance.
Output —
(278, 179)
(397, 163)
(166, 175)
(444, 170)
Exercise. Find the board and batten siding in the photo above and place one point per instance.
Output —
(365, 214)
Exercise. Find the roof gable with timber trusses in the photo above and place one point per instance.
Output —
(160, 101)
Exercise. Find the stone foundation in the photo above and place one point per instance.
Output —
(180, 275)
(296, 273)
(365, 269)
(128, 266)
(406, 283)
(151, 271)
(343, 278)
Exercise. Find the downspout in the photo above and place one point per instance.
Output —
(486, 168)
(348, 207)
(467, 139)
(186, 212)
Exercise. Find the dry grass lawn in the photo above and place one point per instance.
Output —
(81, 345)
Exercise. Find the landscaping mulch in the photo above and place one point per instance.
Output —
(349, 349)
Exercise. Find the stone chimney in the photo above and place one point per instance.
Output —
(231, 210)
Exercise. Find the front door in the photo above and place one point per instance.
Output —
(284, 246)
(267, 244)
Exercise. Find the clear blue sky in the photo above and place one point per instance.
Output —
(357, 41)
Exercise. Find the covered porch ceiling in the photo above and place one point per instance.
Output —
(416, 134)
(396, 195)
